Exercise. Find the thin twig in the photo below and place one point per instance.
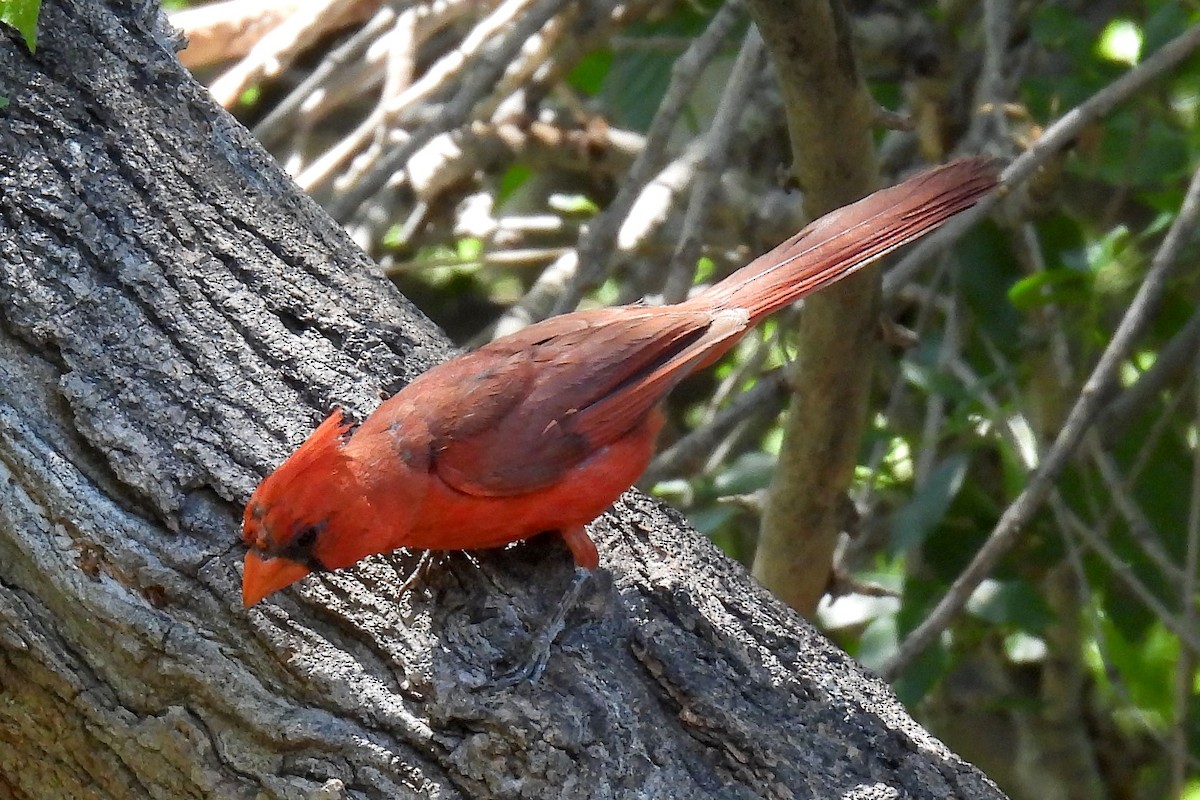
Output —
(693, 448)
(1171, 364)
(935, 403)
(478, 81)
(1140, 528)
(717, 150)
(1095, 391)
(391, 109)
(275, 51)
(598, 240)
(1188, 636)
(507, 258)
(401, 64)
(548, 293)
(659, 198)
(989, 89)
(276, 123)
(1099, 635)
(926, 309)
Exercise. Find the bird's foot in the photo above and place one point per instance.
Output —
(530, 669)
(420, 572)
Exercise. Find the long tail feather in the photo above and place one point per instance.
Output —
(850, 238)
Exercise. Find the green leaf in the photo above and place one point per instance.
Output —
(638, 76)
(392, 238)
(930, 378)
(512, 180)
(989, 268)
(1060, 30)
(1012, 602)
(1162, 26)
(469, 249)
(1136, 149)
(588, 75)
(1052, 286)
(913, 523)
(922, 674)
(635, 86)
(878, 642)
(572, 203)
(749, 473)
(1121, 41)
(709, 521)
(22, 15)
(250, 96)
(1146, 666)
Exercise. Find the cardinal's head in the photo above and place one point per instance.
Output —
(291, 517)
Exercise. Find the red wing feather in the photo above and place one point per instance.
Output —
(593, 385)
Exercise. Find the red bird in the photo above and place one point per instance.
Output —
(542, 430)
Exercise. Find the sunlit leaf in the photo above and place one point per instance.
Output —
(22, 15)
(1052, 286)
(1121, 40)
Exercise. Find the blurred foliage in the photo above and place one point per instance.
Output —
(1008, 326)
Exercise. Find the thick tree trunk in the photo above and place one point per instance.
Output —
(174, 316)
(829, 121)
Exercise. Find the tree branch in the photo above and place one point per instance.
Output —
(829, 119)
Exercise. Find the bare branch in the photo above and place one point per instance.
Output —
(1140, 528)
(691, 450)
(1174, 361)
(562, 286)
(1188, 636)
(600, 235)
(277, 49)
(227, 30)
(353, 50)
(717, 151)
(1184, 691)
(493, 58)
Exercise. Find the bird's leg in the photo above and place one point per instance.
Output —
(541, 642)
(582, 548)
(420, 572)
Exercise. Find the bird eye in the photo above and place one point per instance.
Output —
(302, 545)
(308, 537)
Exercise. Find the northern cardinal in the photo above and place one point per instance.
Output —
(542, 430)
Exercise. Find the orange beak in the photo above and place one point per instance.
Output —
(262, 576)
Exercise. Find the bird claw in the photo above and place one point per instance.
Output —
(529, 671)
(540, 644)
(420, 572)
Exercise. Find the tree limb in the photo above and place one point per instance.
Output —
(829, 119)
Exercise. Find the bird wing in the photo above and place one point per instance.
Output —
(516, 415)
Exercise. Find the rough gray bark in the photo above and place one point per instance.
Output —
(174, 316)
